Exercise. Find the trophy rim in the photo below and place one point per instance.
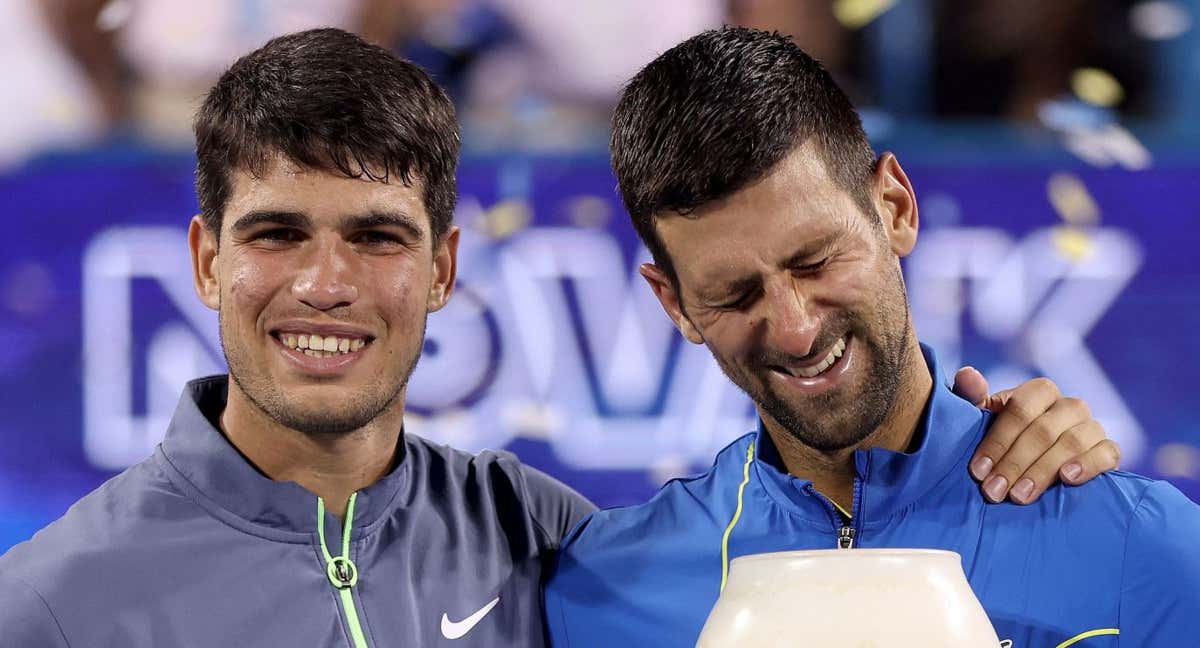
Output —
(845, 553)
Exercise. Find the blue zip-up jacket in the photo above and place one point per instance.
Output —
(1115, 562)
(194, 548)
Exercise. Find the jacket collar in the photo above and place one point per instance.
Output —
(199, 453)
(949, 429)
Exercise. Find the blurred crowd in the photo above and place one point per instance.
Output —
(542, 74)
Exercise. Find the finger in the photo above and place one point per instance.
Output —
(1102, 457)
(971, 386)
(1020, 407)
(1034, 441)
(1070, 446)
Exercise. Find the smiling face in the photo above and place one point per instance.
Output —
(798, 295)
(323, 284)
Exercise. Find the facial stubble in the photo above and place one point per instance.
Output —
(838, 419)
(353, 415)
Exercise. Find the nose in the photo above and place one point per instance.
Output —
(792, 326)
(325, 280)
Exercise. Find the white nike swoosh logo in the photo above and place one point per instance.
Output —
(456, 629)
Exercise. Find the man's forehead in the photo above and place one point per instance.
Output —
(276, 166)
(281, 184)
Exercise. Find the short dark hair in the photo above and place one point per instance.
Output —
(326, 99)
(716, 113)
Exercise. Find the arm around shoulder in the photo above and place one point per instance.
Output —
(1160, 591)
(26, 620)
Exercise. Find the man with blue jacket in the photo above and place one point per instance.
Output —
(777, 236)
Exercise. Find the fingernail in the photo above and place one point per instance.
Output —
(1072, 471)
(996, 488)
(981, 467)
(1023, 491)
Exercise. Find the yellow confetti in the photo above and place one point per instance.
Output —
(1072, 200)
(1097, 87)
(856, 14)
(506, 218)
(1073, 243)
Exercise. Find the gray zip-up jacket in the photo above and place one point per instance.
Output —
(193, 547)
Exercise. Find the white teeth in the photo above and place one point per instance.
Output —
(321, 346)
(839, 348)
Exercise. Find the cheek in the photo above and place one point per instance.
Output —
(403, 292)
(248, 285)
(853, 281)
(732, 335)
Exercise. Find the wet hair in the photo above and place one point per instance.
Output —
(716, 113)
(325, 99)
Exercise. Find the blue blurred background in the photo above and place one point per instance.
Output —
(1054, 147)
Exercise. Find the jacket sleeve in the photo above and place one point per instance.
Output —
(556, 507)
(26, 621)
(1160, 590)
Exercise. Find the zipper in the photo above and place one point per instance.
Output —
(341, 570)
(843, 526)
(847, 532)
(846, 536)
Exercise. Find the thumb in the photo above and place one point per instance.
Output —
(970, 385)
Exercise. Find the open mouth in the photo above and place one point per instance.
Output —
(814, 370)
(321, 346)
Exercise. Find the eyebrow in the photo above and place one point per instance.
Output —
(742, 284)
(256, 218)
(809, 250)
(386, 219)
(357, 222)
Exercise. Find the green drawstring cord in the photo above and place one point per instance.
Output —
(342, 572)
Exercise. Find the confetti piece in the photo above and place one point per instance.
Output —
(114, 15)
(589, 211)
(532, 420)
(1072, 200)
(670, 467)
(506, 218)
(1073, 243)
(856, 14)
(1159, 20)
(1108, 146)
(1097, 87)
(1177, 460)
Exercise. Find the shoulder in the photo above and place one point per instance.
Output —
(652, 569)
(488, 469)
(498, 477)
(1160, 603)
(26, 617)
(110, 514)
(1116, 517)
(691, 506)
(1163, 528)
(64, 557)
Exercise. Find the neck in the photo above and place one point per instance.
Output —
(331, 466)
(832, 473)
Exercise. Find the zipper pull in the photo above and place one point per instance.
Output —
(846, 537)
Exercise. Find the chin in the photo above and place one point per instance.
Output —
(322, 422)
